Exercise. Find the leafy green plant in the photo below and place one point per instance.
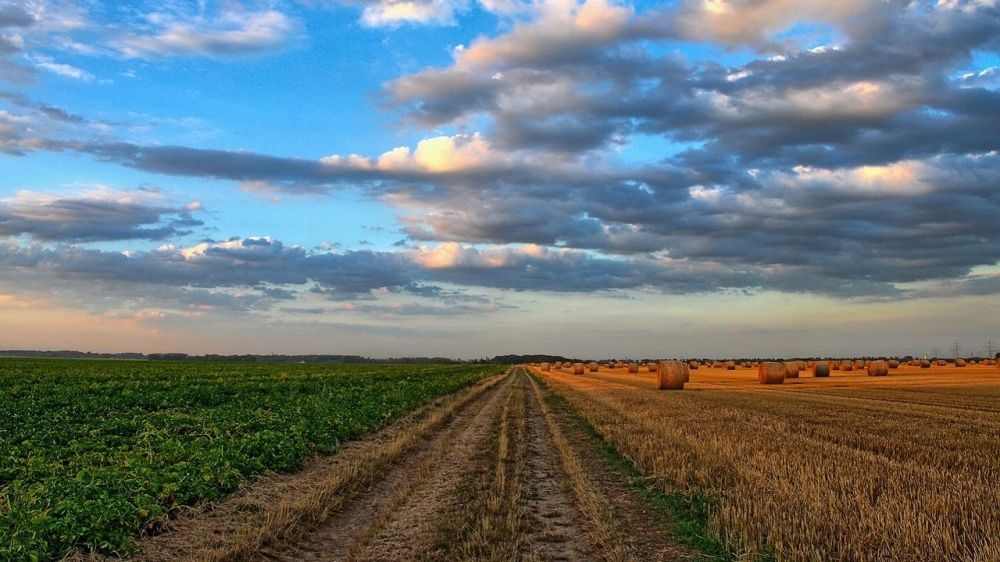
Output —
(93, 452)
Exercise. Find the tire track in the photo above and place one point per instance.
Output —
(502, 474)
(396, 518)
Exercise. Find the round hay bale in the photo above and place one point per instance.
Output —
(730, 365)
(671, 375)
(633, 367)
(859, 364)
(893, 364)
(771, 373)
(593, 367)
(925, 364)
(546, 366)
(821, 370)
(960, 362)
(846, 366)
(577, 368)
(878, 368)
(651, 367)
(791, 369)
(941, 363)
(693, 366)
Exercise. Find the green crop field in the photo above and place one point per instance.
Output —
(93, 452)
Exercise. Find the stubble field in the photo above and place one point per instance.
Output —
(903, 467)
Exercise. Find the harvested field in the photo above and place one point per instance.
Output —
(850, 467)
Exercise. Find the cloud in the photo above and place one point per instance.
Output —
(231, 33)
(561, 32)
(392, 13)
(49, 111)
(100, 215)
(15, 15)
(65, 70)
(756, 22)
(441, 154)
(854, 168)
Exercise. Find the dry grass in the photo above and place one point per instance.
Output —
(851, 467)
(592, 505)
(496, 514)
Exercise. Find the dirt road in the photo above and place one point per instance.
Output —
(499, 472)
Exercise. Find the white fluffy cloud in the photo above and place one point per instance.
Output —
(391, 13)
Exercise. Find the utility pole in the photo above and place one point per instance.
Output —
(956, 349)
(989, 349)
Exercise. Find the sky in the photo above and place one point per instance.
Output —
(466, 178)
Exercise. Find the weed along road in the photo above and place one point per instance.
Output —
(500, 471)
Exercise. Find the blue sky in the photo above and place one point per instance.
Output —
(463, 178)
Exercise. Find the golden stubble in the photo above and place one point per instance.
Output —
(903, 467)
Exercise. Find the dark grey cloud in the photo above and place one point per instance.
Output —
(238, 274)
(261, 274)
(50, 111)
(93, 218)
(15, 15)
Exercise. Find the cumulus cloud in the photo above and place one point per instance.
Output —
(756, 22)
(391, 13)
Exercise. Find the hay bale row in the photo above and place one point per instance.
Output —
(671, 375)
